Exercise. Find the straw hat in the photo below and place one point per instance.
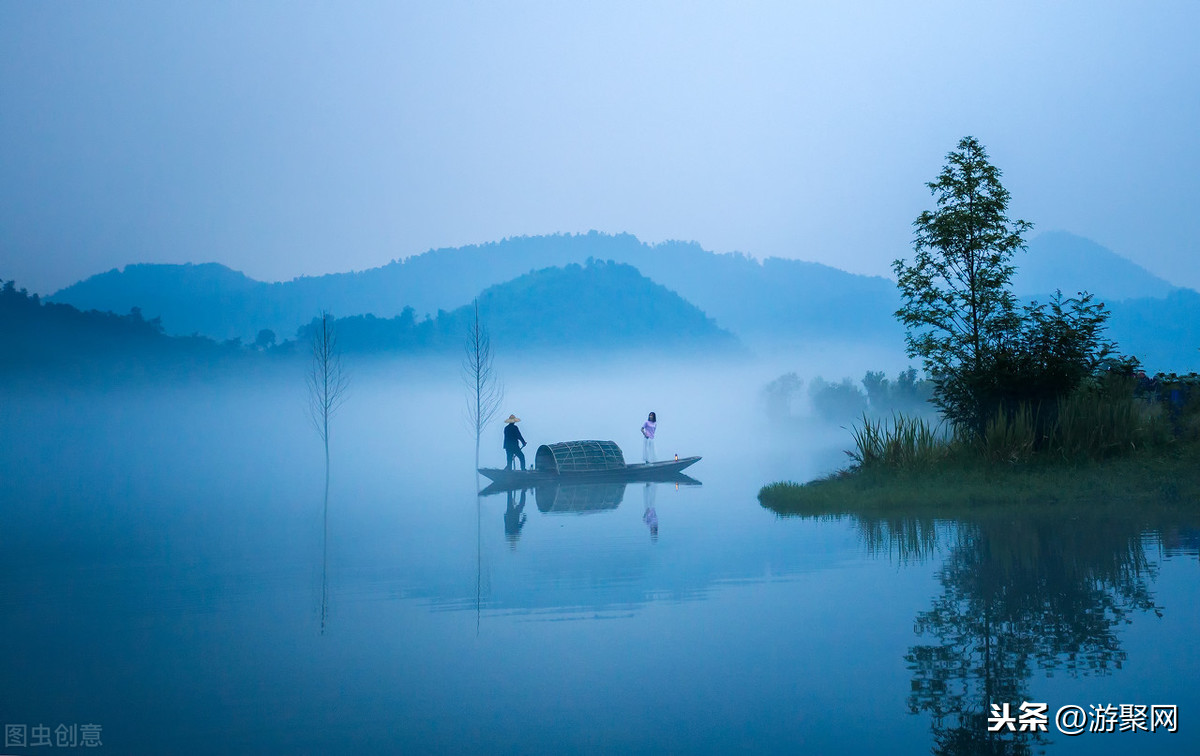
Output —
(513, 419)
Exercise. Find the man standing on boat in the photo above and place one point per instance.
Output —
(513, 441)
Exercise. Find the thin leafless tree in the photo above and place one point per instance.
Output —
(327, 385)
(484, 392)
(327, 380)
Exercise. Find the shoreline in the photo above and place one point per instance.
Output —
(1151, 477)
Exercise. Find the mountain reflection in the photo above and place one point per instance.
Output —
(1020, 593)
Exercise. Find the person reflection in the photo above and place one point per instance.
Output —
(649, 516)
(514, 518)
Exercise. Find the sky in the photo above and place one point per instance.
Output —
(288, 139)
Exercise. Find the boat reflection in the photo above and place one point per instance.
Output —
(581, 498)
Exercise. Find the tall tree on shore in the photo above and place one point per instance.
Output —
(957, 303)
(484, 392)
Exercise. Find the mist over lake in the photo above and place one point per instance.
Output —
(163, 574)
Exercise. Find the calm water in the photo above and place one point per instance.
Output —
(167, 575)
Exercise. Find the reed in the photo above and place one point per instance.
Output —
(1009, 436)
(1087, 424)
(1094, 425)
(901, 442)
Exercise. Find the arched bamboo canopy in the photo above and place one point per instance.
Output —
(579, 456)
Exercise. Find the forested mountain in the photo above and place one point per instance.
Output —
(598, 305)
(47, 336)
(774, 298)
(557, 311)
(208, 299)
(762, 303)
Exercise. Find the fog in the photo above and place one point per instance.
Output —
(170, 569)
(137, 466)
(165, 545)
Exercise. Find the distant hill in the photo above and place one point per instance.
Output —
(565, 310)
(772, 299)
(1058, 260)
(762, 303)
(208, 299)
(55, 338)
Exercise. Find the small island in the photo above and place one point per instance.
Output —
(1035, 406)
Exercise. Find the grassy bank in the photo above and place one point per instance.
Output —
(1163, 475)
(1107, 445)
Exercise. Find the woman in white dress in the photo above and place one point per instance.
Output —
(648, 438)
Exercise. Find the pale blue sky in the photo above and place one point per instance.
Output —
(285, 138)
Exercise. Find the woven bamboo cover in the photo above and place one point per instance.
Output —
(579, 456)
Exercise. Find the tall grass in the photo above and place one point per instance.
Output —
(1092, 424)
(1009, 436)
(901, 442)
(1087, 424)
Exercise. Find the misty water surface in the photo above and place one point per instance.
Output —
(163, 577)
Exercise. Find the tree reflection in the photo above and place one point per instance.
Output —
(1021, 594)
(1024, 590)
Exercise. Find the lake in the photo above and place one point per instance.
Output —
(173, 582)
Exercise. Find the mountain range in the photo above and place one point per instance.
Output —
(751, 298)
(764, 303)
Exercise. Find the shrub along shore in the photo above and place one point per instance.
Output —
(1122, 443)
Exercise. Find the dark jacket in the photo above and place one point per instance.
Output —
(512, 437)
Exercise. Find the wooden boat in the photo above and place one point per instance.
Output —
(581, 461)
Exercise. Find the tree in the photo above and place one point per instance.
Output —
(1059, 346)
(327, 385)
(956, 301)
(484, 392)
(265, 339)
(780, 393)
(327, 381)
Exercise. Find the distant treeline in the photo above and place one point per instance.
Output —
(846, 400)
(763, 302)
